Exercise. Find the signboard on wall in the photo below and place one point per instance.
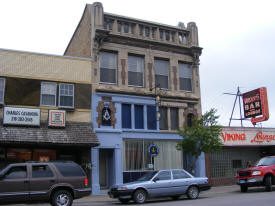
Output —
(247, 137)
(57, 118)
(21, 116)
(255, 104)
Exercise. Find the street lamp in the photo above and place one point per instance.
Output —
(157, 99)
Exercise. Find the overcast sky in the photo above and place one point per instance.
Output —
(237, 37)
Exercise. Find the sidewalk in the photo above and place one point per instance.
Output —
(213, 191)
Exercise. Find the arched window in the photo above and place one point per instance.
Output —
(190, 118)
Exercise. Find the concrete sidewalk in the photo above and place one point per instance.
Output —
(212, 192)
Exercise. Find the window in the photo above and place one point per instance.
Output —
(135, 70)
(190, 118)
(68, 169)
(41, 171)
(147, 31)
(108, 67)
(237, 163)
(16, 173)
(161, 34)
(174, 115)
(163, 124)
(126, 28)
(126, 116)
(141, 30)
(133, 26)
(139, 122)
(154, 32)
(180, 174)
(119, 25)
(2, 90)
(162, 73)
(164, 175)
(151, 118)
(48, 94)
(66, 95)
(167, 35)
(185, 75)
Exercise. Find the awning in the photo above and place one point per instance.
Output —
(75, 133)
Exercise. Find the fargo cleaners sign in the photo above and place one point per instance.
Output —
(21, 116)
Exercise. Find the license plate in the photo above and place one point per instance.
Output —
(242, 181)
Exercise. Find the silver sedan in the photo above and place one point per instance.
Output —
(170, 183)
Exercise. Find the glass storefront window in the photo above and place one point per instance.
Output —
(136, 156)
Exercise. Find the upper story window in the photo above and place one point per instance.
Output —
(141, 30)
(48, 94)
(161, 34)
(139, 120)
(147, 31)
(167, 35)
(2, 90)
(126, 116)
(66, 95)
(174, 118)
(163, 123)
(108, 67)
(135, 70)
(126, 28)
(133, 27)
(154, 32)
(151, 117)
(185, 76)
(108, 24)
(162, 73)
(119, 25)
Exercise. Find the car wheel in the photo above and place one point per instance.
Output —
(175, 197)
(62, 198)
(124, 200)
(140, 196)
(243, 188)
(268, 184)
(193, 192)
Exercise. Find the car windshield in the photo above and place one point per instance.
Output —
(266, 161)
(147, 176)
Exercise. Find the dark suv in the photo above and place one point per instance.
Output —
(55, 182)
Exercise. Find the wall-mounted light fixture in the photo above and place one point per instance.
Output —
(157, 99)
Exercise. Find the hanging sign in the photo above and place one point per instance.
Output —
(153, 150)
(57, 118)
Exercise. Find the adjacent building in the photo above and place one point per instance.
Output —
(46, 108)
(145, 85)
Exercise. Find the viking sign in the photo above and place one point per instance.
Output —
(255, 104)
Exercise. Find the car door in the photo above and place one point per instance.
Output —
(14, 185)
(41, 180)
(181, 181)
(161, 184)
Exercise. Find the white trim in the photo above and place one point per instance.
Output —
(59, 95)
(49, 83)
(4, 87)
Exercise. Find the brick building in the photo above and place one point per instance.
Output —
(145, 84)
(46, 108)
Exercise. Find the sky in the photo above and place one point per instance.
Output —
(237, 37)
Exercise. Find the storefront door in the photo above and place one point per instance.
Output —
(106, 168)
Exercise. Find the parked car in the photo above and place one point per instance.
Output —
(172, 183)
(262, 174)
(55, 182)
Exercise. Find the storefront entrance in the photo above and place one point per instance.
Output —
(106, 168)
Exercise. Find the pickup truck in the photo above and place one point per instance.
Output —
(262, 174)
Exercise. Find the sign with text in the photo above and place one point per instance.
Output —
(21, 116)
(57, 118)
(153, 150)
(255, 104)
(245, 137)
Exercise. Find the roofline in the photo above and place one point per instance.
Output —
(76, 28)
(45, 54)
(146, 22)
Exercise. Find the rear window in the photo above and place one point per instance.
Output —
(69, 169)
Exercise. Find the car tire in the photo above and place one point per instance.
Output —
(62, 198)
(175, 197)
(140, 196)
(244, 188)
(268, 184)
(193, 192)
(124, 200)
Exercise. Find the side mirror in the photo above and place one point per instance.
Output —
(155, 179)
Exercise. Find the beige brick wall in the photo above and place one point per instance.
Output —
(80, 44)
(46, 67)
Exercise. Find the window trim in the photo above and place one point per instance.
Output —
(116, 70)
(192, 89)
(4, 88)
(50, 83)
(168, 72)
(143, 73)
(59, 95)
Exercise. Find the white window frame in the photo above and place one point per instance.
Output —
(131, 70)
(59, 95)
(100, 66)
(41, 93)
(2, 92)
(188, 76)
